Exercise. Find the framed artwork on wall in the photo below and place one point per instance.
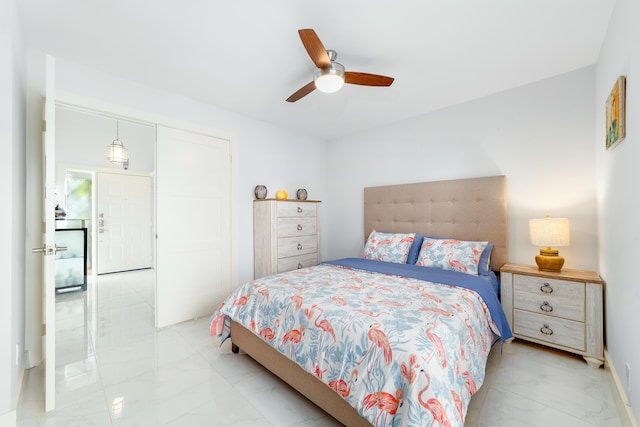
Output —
(615, 110)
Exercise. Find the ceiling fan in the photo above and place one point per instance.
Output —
(329, 75)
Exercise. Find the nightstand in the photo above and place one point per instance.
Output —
(557, 309)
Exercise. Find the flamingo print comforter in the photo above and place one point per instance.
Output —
(402, 350)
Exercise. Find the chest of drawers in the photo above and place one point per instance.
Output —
(561, 310)
(286, 235)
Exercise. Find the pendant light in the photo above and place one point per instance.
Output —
(116, 151)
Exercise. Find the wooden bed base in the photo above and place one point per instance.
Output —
(291, 373)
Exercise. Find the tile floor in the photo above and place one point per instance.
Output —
(115, 369)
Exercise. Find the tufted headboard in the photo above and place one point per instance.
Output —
(465, 209)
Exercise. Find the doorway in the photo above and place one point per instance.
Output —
(191, 223)
(188, 158)
(83, 173)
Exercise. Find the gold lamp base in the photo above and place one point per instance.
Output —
(549, 260)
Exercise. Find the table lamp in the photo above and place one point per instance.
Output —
(547, 233)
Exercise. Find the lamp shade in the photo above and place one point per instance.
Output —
(329, 79)
(117, 152)
(549, 232)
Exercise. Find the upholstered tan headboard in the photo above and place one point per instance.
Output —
(466, 209)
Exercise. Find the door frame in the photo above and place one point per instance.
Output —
(34, 299)
(100, 107)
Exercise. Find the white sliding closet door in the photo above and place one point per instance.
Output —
(193, 190)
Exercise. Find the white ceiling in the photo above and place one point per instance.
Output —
(246, 55)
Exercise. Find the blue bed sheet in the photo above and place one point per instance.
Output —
(480, 284)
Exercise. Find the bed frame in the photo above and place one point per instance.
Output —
(467, 209)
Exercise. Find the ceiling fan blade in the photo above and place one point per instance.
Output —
(303, 91)
(315, 48)
(366, 79)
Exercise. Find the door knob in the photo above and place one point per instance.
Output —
(49, 250)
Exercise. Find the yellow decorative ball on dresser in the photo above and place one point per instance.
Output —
(282, 195)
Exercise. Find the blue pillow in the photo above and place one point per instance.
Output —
(415, 249)
(484, 265)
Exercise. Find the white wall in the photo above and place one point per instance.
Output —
(618, 174)
(12, 229)
(539, 135)
(262, 153)
(82, 139)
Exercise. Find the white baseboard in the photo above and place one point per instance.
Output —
(9, 419)
(628, 418)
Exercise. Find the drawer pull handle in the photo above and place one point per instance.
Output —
(546, 307)
(299, 246)
(299, 227)
(299, 209)
(546, 330)
(299, 266)
(546, 288)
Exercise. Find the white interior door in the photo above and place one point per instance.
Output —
(48, 249)
(125, 223)
(193, 190)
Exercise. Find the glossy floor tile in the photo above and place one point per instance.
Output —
(115, 369)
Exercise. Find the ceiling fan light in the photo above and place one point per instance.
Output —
(329, 79)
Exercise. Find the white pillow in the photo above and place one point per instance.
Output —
(390, 247)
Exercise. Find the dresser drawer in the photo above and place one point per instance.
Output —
(292, 246)
(288, 227)
(296, 209)
(550, 305)
(296, 262)
(547, 286)
(562, 332)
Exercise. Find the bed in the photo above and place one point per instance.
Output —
(399, 335)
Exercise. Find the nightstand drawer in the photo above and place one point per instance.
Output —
(550, 305)
(563, 332)
(548, 286)
(296, 209)
(296, 262)
(288, 227)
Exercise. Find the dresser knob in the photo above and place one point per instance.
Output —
(299, 227)
(546, 330)
(299, 265)
(299, 209)
(546, 288)
(546, 307)
(299, 246)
